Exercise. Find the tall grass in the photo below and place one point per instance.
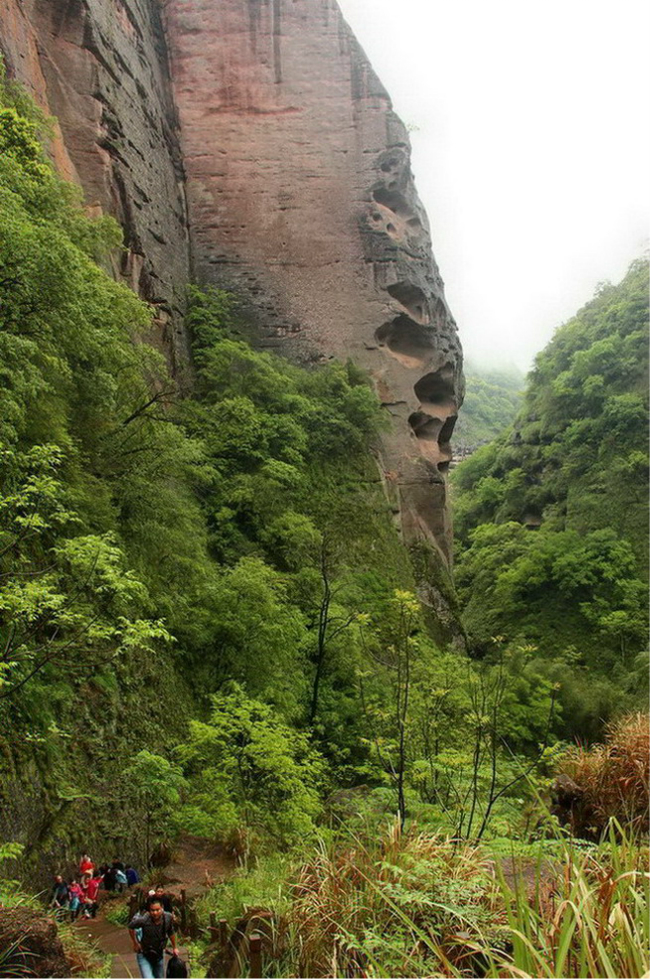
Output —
(589, 919)
(614, 777)
(401, 908)
(415, 905)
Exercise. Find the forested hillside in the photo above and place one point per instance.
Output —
(551, 518)
(176, 569)
(492, 399)
(153, 547)
(210, 628)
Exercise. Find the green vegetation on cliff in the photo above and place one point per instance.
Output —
(173, 568)
(208, 622)
(551, 518)
(492, 399)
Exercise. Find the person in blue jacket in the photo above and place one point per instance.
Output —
(132, 875)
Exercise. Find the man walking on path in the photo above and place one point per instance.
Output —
(150, 933)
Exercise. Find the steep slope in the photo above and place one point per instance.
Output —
(552, 517)
(301, 201)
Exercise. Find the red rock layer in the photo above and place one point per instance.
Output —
(299, 190)
(100, 67)
(301, 200)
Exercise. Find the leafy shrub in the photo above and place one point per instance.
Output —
(614, 777)
(249, 769)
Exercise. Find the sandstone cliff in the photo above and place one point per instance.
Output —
(266, 116)
(100, 67)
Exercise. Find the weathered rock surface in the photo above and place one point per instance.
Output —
(100, 66)
(301, 199)
(31, 944)
(299, 191)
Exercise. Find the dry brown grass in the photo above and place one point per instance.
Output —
(614, 776)
(411, 902)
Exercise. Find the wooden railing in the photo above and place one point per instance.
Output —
(232, 951)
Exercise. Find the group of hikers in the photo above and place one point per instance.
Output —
(78, 897)
(151, 929)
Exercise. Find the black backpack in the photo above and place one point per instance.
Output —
(176, 968)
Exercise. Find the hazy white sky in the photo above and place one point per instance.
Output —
(531, 154)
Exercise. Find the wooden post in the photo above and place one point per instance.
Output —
(255, 954)
(134, 902)
(193, 929)
(183, 909)
(221, 961)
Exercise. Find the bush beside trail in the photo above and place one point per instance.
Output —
(607, 781)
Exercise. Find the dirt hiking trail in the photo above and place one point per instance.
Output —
(196, 866)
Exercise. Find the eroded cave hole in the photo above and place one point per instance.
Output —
(425, 426)
(412, 298)
(439, 313)
(394, 201)
(437, 388)
(408, 341)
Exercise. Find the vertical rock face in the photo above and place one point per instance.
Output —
(302, 201)
(100, 66)
(299, 192)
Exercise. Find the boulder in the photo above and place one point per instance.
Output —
(30, 945)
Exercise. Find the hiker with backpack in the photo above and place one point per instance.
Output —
(60, 895)
(150, 932)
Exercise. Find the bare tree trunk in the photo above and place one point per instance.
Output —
(321, 648)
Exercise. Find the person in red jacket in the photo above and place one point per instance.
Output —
(90, 896)
(86, 865)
